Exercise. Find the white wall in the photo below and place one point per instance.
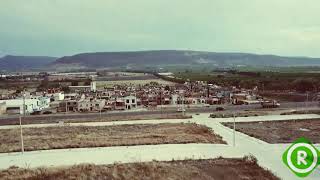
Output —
(130, 102)
(31, 104)
(93, 86)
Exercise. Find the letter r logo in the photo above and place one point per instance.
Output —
(301, 157)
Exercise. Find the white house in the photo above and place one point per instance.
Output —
(56, 96)
(174, 99)
(15, 106)
(91, 105)
(130, 102)
(44, 102)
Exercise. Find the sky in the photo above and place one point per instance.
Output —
(67, 27)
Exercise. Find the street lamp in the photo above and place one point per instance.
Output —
(21, 136)
(20, 121)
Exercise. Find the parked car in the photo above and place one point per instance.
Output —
(35, 113)
(206, 105)
(47, 112)
(181, 110)
(220, 109)
(270, 104)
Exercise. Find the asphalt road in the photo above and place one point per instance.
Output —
(172, 110)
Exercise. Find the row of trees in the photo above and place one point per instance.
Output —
(298, 84)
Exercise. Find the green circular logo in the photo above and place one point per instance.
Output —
(301, 157)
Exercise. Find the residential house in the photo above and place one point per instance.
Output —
(119, 104)
(19, 106)
(91, 105)
(130, 102)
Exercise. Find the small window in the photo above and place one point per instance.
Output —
(128, 101)
(133, 101)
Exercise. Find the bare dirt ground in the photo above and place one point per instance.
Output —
(315, 111)
(280, 131)
(285, 97)
(238, 114)
(104, 136)
(105, 118)
(226, 169)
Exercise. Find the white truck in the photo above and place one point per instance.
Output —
(270, 104)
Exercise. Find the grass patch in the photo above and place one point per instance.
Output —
(220, 168)
(105, 136)
(280, 131)
(104, 118)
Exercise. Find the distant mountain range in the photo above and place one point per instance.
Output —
(11, 63)
(171, 57)
(153, 58)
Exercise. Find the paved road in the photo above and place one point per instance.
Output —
(268, 155)
(229, 108)
(157, 121)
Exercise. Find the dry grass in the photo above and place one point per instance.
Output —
(238, 114)
(280, 131)
(104, 118)
(132, 118)
(315, 111)
(104, 136)
(227, 169)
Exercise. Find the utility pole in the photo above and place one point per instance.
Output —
(21, 136)
(100, 106)
(66, 107)
(183, 106)
(24, 102)
(161, 102)
(234, 130)
(307, 101)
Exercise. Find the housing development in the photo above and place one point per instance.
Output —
(128, 96)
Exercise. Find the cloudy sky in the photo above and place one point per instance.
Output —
(66, 27)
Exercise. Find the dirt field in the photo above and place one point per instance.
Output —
(105, 118)
(103, 136)
(285, 97)
(226, 169)
(280, 131)
(238, 114)
(316, 111)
